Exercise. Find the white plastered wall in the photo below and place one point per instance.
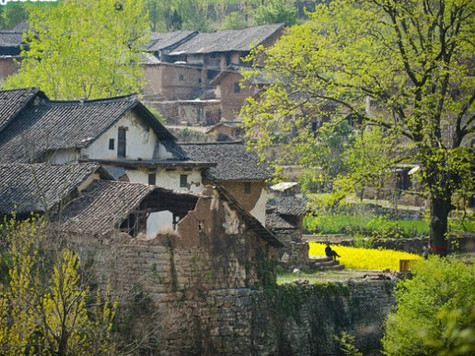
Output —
(161, 221)
(140, 140)
(169, 179)
(259, 210)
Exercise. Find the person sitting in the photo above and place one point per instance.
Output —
(331, 253)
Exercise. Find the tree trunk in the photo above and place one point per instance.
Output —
(439, 212)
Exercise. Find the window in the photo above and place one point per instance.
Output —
(111, 143)
(152, 178)
(121, 142)
(314, 126)
(247, 187)
(181, 77)
(183, 181)
(237, 88)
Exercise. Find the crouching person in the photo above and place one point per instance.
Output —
(331, 253)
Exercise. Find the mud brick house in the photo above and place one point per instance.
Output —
(226, 131)
(232, 93)
(217, 50)
(162, 43)
(236, 170)
(10, 48)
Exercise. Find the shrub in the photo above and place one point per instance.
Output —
(435, 312)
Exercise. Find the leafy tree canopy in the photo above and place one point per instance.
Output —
(84, 49)
(404, 70)
(276, 11)
(435, 312)
(45, 306)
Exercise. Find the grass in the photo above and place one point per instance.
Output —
(376, 226)
(364, 258)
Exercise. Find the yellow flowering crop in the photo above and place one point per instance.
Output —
(365, 258)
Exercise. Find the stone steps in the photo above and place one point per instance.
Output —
(324, 263)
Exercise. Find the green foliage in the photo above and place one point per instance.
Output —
(347, 345)
(402, 70)
(11, 15)
(49, 311)
(233, 21)
(84, 49)
(435, 312)
(276, 11)
(375, 226)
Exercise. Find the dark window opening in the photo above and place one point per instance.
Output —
(152, 178)
(130, 225)
(183, 180)
(237, 87)
(247, 187)
(228, 58)
(404, 181)
(121, 142)
(111, 143)
(314, 126)
(182, 77)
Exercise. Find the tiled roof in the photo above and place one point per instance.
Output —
(12, 101)
(164, 40)
(10, 39)
(234, 162)
(230, 40)
(52, 125)
(10, 42)
(39, 187)
(291, 206)
(274, 221)
(103, 206)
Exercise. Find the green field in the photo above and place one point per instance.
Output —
(349, 224)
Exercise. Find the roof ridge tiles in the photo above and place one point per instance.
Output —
(132, 98)
(211, 143)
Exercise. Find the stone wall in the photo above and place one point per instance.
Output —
(304, 320)
(194, 300)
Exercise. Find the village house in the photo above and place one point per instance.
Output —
(225, 131)
(117, 132)
(217, 50)
(238, 171)
(205, 68)
(10, 49)
(128, 141)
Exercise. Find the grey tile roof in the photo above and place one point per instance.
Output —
(103, 206)
(26, 188)
(291, 206)
(234, 162)
(11, 38)
(230, 40)
(274, 221)
(163, 40)
(12, 101)
(53, 125)
(10, 42)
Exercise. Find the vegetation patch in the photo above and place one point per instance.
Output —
(365, 258)
(377, 226)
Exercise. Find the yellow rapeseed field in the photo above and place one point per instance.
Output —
(364, 258)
